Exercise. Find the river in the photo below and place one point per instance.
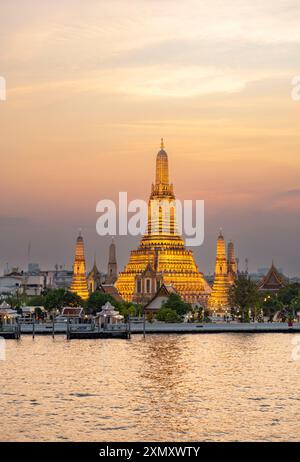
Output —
(205, 387)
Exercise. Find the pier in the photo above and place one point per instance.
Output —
(124, 331)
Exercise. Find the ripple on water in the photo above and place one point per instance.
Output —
(206, 387)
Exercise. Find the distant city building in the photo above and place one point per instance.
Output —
(79, 282)
(33, 268)
(162, 249)
(62, 279)
(12, 282)
(33, 285)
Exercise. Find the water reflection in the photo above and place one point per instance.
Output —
(220, 387)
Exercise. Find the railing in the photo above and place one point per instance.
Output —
(10, 329)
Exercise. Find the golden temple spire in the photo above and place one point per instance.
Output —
(162, 167)
(79, 283)
(162, 249)
(218, 299)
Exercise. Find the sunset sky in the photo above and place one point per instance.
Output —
(92, 87)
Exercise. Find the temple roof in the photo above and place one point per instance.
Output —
(273, 280)
(111, 290)
(94, 271)
(72, 312)
(163, 291)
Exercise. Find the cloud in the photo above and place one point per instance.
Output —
(228, 53)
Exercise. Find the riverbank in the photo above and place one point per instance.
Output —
(214, 328)
(88, 331)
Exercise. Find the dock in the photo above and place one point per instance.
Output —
(215, 328)
(98, 334)
(124, 331)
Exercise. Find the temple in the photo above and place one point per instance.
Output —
(112, 269)
(79, 282)
(161, 257)
(272, 281)
(231, 263)
(94, 278)
(218, 300)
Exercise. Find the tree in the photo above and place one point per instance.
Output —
(37, 300)
(295, 305)
(97, 299)
(288, 293)
(167, 315)
(243, 295)
(175, 303)
(58, 298)
(17, 301)
(271, 305)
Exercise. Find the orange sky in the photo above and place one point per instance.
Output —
(91, 88)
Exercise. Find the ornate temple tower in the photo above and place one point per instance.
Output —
(79, 283)
(94, 278)
(112, 270)
(218, 300)
(162, 249)
(231, 263)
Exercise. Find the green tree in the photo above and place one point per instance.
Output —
(37, 300)
(167, 315)
(58, 298)
(175, 303)
(17, 301)
(288, 293)
(243, 295)
(295, 306)
(97, 299)
(271, 305)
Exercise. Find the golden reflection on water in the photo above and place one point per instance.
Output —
(222, 387)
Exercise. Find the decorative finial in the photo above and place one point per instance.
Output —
(221, 233)
(79, 232)
(162, 146)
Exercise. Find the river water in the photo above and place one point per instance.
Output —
(213, 387)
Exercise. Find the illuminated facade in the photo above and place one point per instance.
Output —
(79, 282)
(218, 300)
(162, 250)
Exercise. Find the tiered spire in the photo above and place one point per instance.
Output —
(79, 283)
(218, 300)
(162, 167)
(112, 269)
(162, 249)
(231, 262)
